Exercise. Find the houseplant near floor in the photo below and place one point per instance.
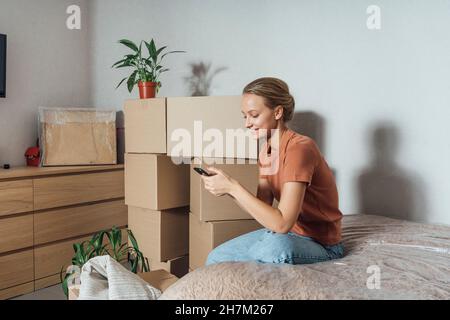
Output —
(146, 70)
(130, 257)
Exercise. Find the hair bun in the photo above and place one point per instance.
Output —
(275, 93)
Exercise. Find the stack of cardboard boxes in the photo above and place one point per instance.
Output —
(159, 134)
(156, 189)
(214, 220)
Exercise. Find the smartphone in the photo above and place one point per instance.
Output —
(202, 172)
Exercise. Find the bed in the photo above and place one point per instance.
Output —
(384, 259)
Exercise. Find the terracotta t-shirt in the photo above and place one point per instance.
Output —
(301, 160)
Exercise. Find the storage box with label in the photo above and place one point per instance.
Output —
(208, 207)
(77, 136)
(188, 127)
(161, 235)
(154, 182)
(205, 236)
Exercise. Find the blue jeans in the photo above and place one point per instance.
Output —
(267, 246)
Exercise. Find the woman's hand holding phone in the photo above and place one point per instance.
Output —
(202, 171)
(217, 182)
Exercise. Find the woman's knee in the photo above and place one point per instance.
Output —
(288, 248)
(274, 247)
(224, 252)
(236, 249)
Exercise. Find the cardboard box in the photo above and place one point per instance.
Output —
(188, 127)
(160, 279)
(161, 235)
(208, 207)
(77, 136)
(145, 126)
(205, 236)
(154, 182)
(178, 266)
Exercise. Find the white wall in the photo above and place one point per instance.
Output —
(381, 97)
(377, 101)
(47, 65)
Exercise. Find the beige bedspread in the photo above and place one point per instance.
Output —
(413, 261)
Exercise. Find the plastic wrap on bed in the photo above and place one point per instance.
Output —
(384, 259)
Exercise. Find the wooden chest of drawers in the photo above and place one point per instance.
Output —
(43, 211)
(16, 196)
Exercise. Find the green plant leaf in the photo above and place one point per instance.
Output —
(96, 240)
(147, 44)
(150, 49)
(118, 62)
(133, 240)
(119, 235)
(149, 62)
(134, 265)
(65, 287)
(131, 56)
(123, 248)
(153, 50)
(82, 253)
(160, 50)
(146, 265)
(130, 83)
(116, 237)
(128, 61)
(129, 44)
(108, 252)
(125, 64)
(108, 235)
(140, 258)
(165, 54)
(63, 280)
(77, 258)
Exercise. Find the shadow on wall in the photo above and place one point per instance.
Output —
(385, 188)
(200, 80)
(311, 124)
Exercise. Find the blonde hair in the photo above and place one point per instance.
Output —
(275, 93)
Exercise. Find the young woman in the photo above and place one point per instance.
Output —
(306, 226)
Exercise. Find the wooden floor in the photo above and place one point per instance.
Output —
(51, 293)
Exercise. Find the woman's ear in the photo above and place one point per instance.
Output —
(279, 112)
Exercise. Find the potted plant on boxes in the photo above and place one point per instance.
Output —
(146, 70)
(131, 257)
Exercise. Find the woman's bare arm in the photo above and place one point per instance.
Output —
(264, 192)
(280, 219)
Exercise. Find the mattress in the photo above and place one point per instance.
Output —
(384, 259)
